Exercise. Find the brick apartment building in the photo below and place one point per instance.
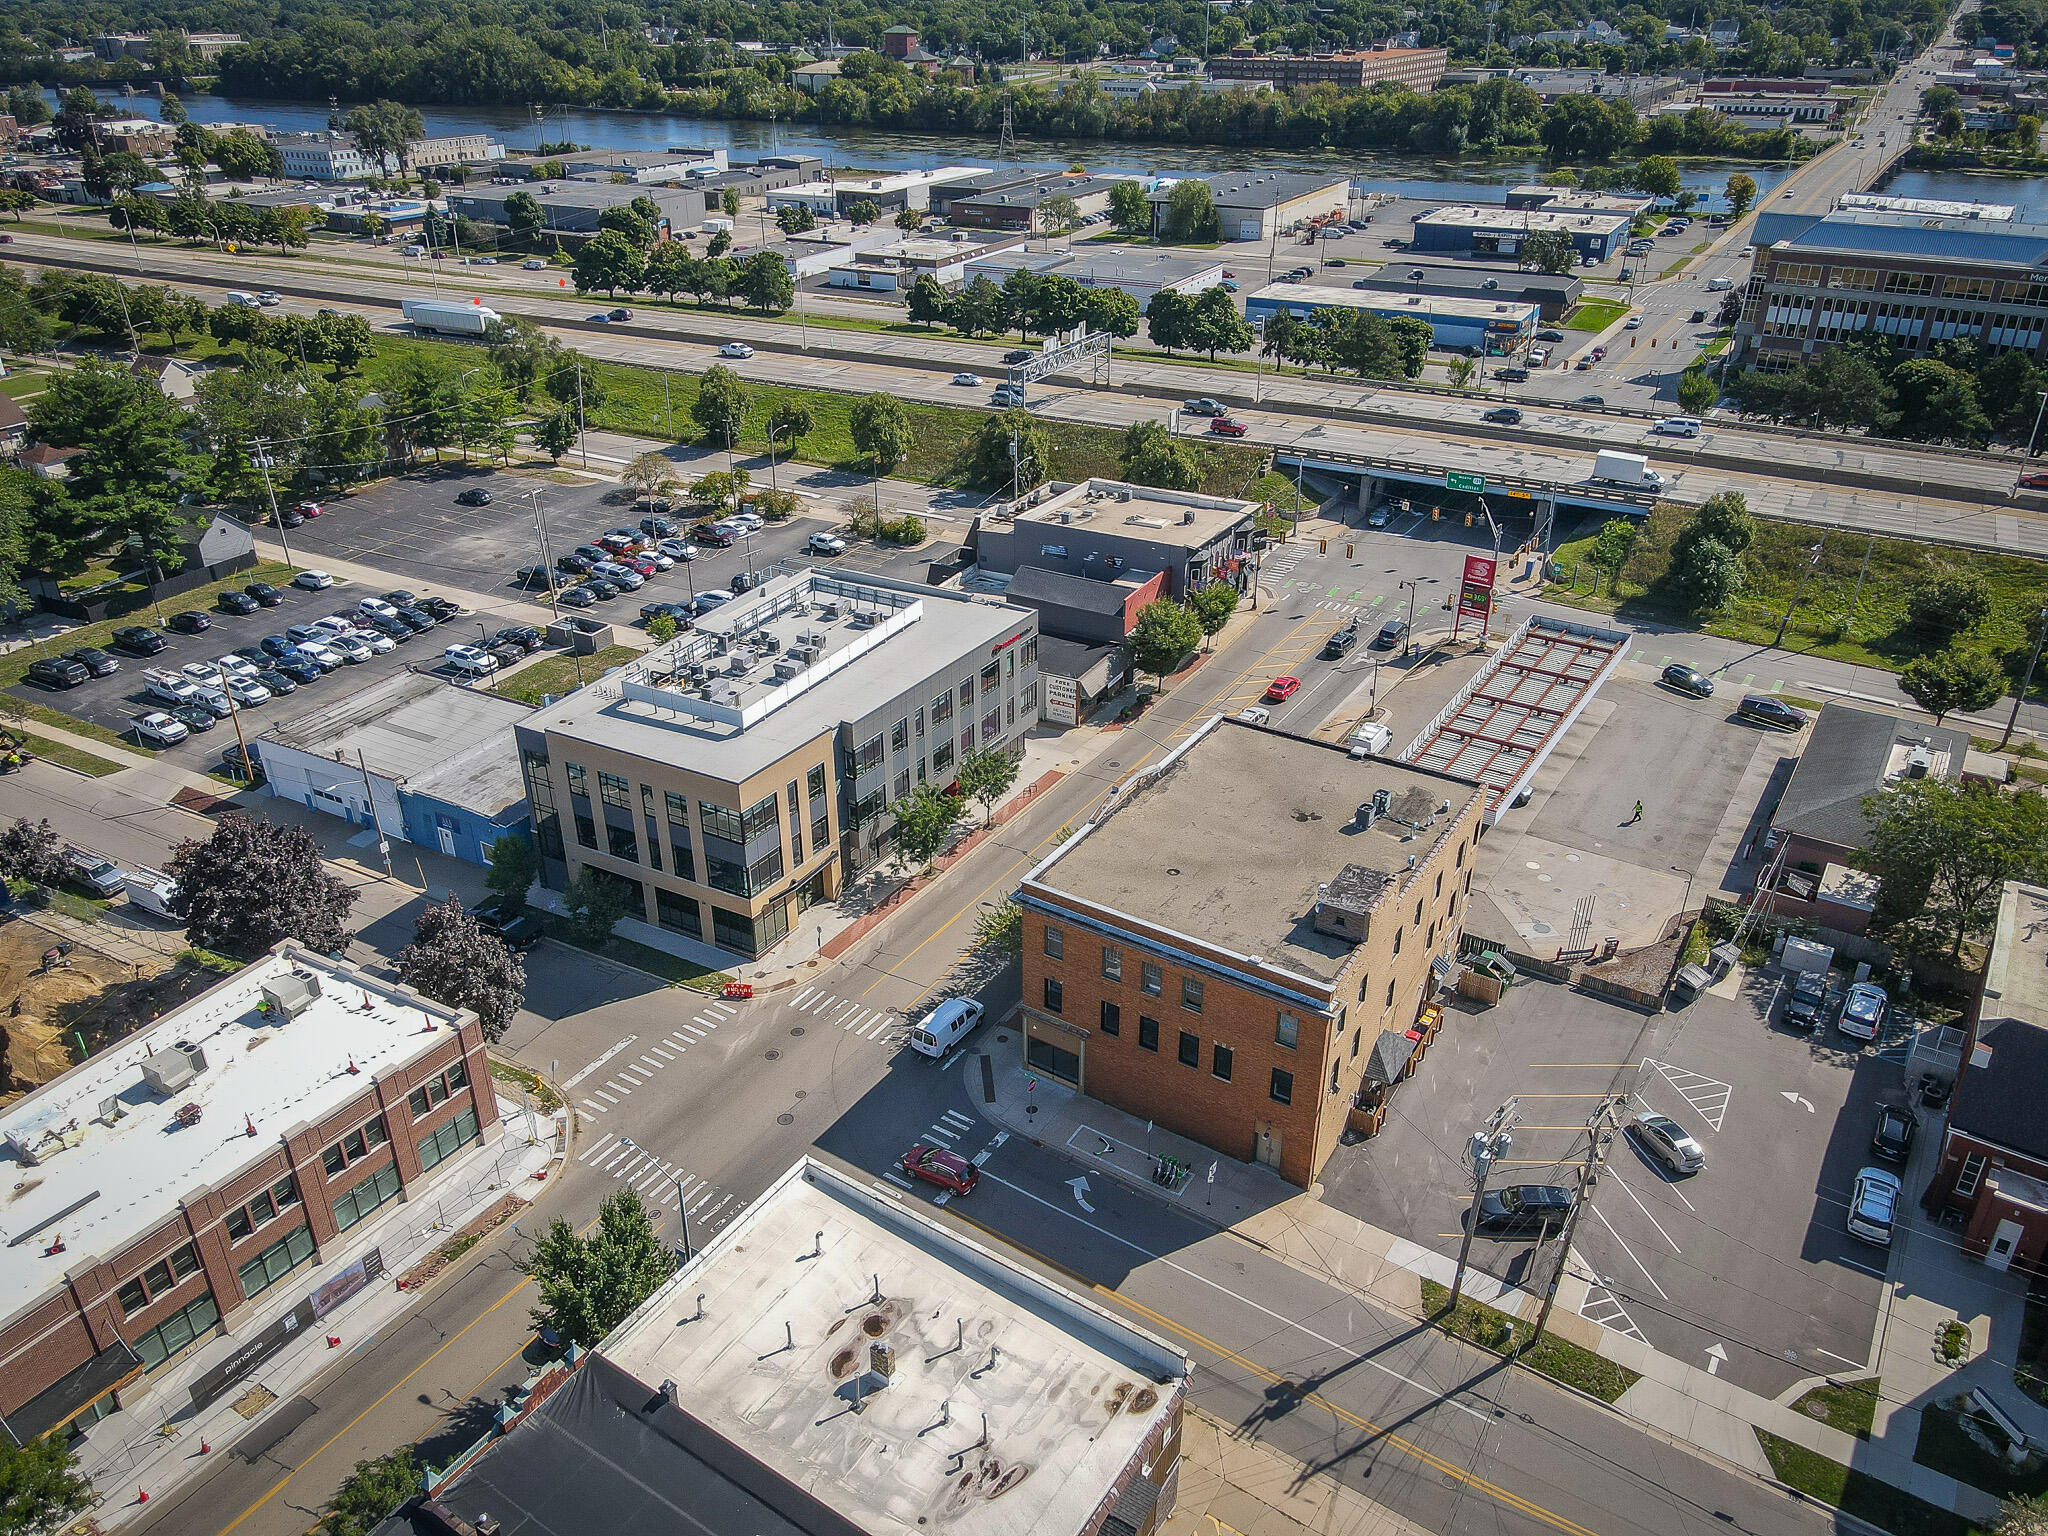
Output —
(162, 1186)
(1227, 947)
(1417, 68)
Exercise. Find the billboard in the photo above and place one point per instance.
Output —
(1475, 593)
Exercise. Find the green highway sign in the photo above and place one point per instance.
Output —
(1458, 480)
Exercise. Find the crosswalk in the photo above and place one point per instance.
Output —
(632, 1068)
(661, 1184)
(850, 1014)
(948, 1131)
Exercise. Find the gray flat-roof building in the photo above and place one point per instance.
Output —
(1110, 530)
(572, 205)
(1554, 296)
(735, 775)
(1252, 205)
(1499, 231)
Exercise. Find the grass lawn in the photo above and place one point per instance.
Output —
(1774, 565)
(1677, 267)
(1595, 315)
(1550, 1356)
(1857, 1493)
(64, 755)
(1946, 1448)
(1848, 1406)
(557, 675)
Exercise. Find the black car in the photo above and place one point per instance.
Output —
(190, 622)
(525, 636)
(1550, 334)
(57, 672)
(1523, 1210)
(1590, 400)
(413, 619)
(300, 668)
(277, 682)
(476, 496)
(1340, 643)
(680, 612)
(1699, 316)
(290, 517)
(439, 608)
(1892, 1137)
(138, 638)
(1391, 634)
(1688, 680)
(1017, 355)
(384, 624)
(242, 764)
(533, 576)
(660, 527)
(400, 598)
(1768, 710)
(592, 553)
(265, 594)
(619, 314)
(278, 645)
(1506, 415)
(1807, 1000)
(192, 717)
(514, 926)
(238, 603)
(94, 660)
(1514, 373)
(576, 597)
(600, 589)
(575, 565)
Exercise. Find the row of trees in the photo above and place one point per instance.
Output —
(616, 262)
(1026, 302)
(1958, 393)
(1371, 346)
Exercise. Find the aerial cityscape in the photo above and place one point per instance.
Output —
(1226, 769)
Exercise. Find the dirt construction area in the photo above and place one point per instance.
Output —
(88, 996)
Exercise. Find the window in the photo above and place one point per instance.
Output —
(1055, 942)
(1190, 1049)
(1221, 1059)
(1112, 963)
(238, 1224)
(1148, 978)
(1055, 995)
(991, 677)
(653, 846)
(1439, 882)
(622, 843)
(356, 1144)
(613, 790)
(899, 735)
(1287, 1031)
(457, 1133)
(942, 710)
(1112, 1018)
(869, 757)
(967, 693)
(1972, 1174)
(678, 815)
(942, 757)
(902, 785)
(1282, 1089)
(1031, 651)
(725, 875)
(366, 1197)
(1148, 1033)
(277, 1261)
(991, 726)
(760, 817)
(686, 861)
(586, 830)
(174, 1333)
(765, 871)
(1390, 994)
(821, 832)
(577, 786)
(1191, 993)
(678, 914)
(133, 1298)
(918, 723)
(720, 821)
(435, 1090)
(1397, 939)
(1031, 698)
(732, 930)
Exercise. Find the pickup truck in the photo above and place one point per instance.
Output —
(169, 686)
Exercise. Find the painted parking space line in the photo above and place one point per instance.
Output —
(1624, 1187)
(1602, 1306)
(595, 1107)
(1639, 1264)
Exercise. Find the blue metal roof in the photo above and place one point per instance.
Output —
(1891, 234)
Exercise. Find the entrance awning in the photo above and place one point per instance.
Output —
(72, 1393)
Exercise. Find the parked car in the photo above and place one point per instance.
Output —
(600, 588)
(390, 626)
(437, 608)
(138, 639)
(308, 508)
(313, 581)
(1668, 1143)
(1514, 373)
(158, 729)
(278, 682)
(940, 1166)
(680, 612)
(94, 660)
(1688, 679)
(1226, 426)
(415, 619)
(241, 604)
(575, 565)
(576, 597)
(1891, 1138)
(623, 577)
(525, 636)
(203, 674)
(299, 667)
(1863, 1011)
(57, 672)
(470, 659)
(243, 764)
(512, 925)
(1873, 1205)
(678, 549)
(1768, 709)
(704, 602)
(1807, 1000)
(194, 717)
(265, 594)
(190, 622)
(245, 691)
(1523, 1210)
(656, 526)
(475, 496)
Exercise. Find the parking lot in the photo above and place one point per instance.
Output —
(1744, 1268)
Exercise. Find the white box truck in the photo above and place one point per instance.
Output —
(448, 319)
(1631, 469)
(151, 889)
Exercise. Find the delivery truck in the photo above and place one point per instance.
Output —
(1630, 469)
(448, 319)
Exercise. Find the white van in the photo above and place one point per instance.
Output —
(242, 300)
(944, 1027)
(1370, 740)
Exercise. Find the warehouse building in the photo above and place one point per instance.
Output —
(736, 775)
(191, 1189)
(1554, 296)
(1459, 325)
(1497, 231)
(1108, 530)
(1255, 205)
(1018, 207)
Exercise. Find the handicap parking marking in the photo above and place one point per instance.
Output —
(1706, 1096)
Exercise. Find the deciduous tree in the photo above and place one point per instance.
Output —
(254, 882)
(611, 261)
(452, 960)
(1740, 192)
(1945, 681)
(514, 867)
(720, 409)
(1213, 605)
(31, 852)
(596, 900)
(1945, 850)
(880, 430)
(987, 776)
(40, 1487)
(1947, 603)
(926, 820)
(1164, 634)
(589, 1285)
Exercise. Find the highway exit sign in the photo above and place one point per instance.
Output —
(1458, 480)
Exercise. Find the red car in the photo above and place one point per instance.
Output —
(640, 563)
(1225, 426)
(308, 508)
(2034, 482)
(1281, 688)
(936, 1165)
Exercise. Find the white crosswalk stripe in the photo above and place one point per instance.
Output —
(594, 1148)
(623, 1090)
(665, 1055)
(605, 1096)
(954, 1117)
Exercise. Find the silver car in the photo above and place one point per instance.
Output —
(1863, 1011)
(1667, 1142)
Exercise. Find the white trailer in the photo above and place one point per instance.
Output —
(1630, 469)
(448, 319)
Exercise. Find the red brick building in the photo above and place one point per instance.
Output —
(161, 1187)
(1417, 68)
(1232, 945)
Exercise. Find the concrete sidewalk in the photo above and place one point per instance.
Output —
(1234, 1486)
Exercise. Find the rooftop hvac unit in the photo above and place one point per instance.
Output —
(767, 643)
(788, 667)
(1187, 517)
(291, 995)
(171, 1069)
(828, 610)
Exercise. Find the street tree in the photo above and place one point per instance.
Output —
(611, 261)
(649, 475)
(1704, 575)
(1549, 250)
(1216, 325)
(1937, 402)
(1129, 209)
(977, 309)
(1191, 215)
(1945, 851)
(1109, 310)
(556, 432)
(40, 1486)
(378, 1488)
(254, 882)
(514, 867)
(721, 488)
(589, 1285)
(987, 777)
(789, 421)
(765, 282)
(1942, 682)
(1011, 452)
(1948, 603)
(1697, 391)
(720, 409)
(628, 220)
(524, 217)
(1151, 455)
(454, 961)
(31, 853)
(999, 930)
(927, 300)
(926, 820)
(880, 430)
(1740, 192)
(1212, 606)
(596, 900)
(669, 269)
(1161, 639)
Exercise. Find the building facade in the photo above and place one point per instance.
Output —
(1234, 976)
(736, 775)
(1819, 279)
(1109, 530)
(1494, 231)
(364, 1089)
(1254, 205)
(1476, 325)
(1417, 68)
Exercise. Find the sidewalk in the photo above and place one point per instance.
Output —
(1232, 1486)
(156, 1442)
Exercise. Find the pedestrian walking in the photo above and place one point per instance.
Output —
(1638, 815)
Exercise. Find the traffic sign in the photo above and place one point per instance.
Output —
(1458, 480)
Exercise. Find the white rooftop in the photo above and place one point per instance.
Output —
(96, 1180)
(1069, 1393)
(1392, 301)
(1526, 220)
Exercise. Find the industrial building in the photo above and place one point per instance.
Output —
(747, 1397)
(1256, 205)
(1108, 530)
(1919, 280)
(572, 206)
(1241, 986)
(1016, 207)
(413, 759)
(1554, 296)
(737, 774)
(644, 165)
(1139, 272)
(1497, 231)
(191, 1189)
(332, 156)
(1477, 325)
(1417, 68)
(905, 189)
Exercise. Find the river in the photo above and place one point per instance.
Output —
(1417, 176)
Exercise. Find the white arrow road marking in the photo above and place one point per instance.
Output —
(1716, 1358)
(1080, 1188)
(1793, 1098)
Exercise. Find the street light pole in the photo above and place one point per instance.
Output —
(683, 1216)
(2040, 633)
(1408, 639)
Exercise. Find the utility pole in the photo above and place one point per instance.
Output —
(1863, 570)
(376, 821)
(582, 437)
(1408, 639)
(1487, 1145)
(683, 1215)
(2040, 633)
(1598, 1131)
(270, 493)
(1812, 564)
(547, 559)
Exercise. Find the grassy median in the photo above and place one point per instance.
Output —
(1550, 1356)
